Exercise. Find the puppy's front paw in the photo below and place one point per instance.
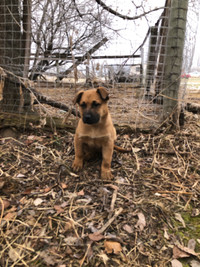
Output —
(77, 165)
(106, 175)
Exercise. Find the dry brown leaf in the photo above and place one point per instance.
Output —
(104, 258)
(141, 223)
(191, 244)
(64, 186)
(35, 138)
(195, 212)
(47, 189)
(47, 258)
(178, 253)
(136, 149)
(31, 137)
(71, 194)
(12, 209)
(37, 201)
(96, 237)
(166, 234)
(128, 228)
(27, 191)
(180, 219)
(81, 193)
(186, 249)
(68, 250)
(6, 204)
(176, 263)
(112, 247)
(58, 209)
(72, 241)
(30, 220)
(68, 226)
(194, 263)
(14, 254)
(10, 216)
(2, 184)
(64, 204)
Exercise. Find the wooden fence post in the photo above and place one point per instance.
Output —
(173, 59)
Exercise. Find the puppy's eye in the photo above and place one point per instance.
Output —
(95, 104)
(83, 105)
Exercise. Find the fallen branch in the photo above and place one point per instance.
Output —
(21, 121)
(45, 100)
(109, 222)
(39, 98)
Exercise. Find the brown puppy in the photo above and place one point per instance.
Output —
(95, 130)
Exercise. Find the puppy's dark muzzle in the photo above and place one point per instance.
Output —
(90, 117)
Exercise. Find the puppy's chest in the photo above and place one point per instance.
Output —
(94, 141)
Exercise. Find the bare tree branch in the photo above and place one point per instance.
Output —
(112, 11)
(82, 58)
(74, 1)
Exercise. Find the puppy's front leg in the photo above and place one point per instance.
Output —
(78, 161)
(107, 152)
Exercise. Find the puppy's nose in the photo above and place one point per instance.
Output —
(88, 116)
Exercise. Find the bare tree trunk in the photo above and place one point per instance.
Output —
(174, 59)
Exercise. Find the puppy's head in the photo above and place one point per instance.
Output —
(93, 104)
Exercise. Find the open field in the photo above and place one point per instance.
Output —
(193, 90)
(128, 105)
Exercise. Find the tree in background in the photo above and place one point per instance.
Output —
(61, 29)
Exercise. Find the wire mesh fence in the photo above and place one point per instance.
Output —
(50, 50)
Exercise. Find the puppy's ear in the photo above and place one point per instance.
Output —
(102, 91)
(77, 98)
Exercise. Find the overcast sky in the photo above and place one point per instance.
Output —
(132, 33)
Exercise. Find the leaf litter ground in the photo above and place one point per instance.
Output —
(148, 215)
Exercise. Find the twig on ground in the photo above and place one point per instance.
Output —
(109, 222)
(114, 197)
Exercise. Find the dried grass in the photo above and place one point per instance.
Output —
(50, 216)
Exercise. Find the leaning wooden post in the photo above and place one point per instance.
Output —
(173, 59)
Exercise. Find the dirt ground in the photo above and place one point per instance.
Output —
(128, 105)
(148, 215)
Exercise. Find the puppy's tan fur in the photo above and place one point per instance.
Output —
(94, 136)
